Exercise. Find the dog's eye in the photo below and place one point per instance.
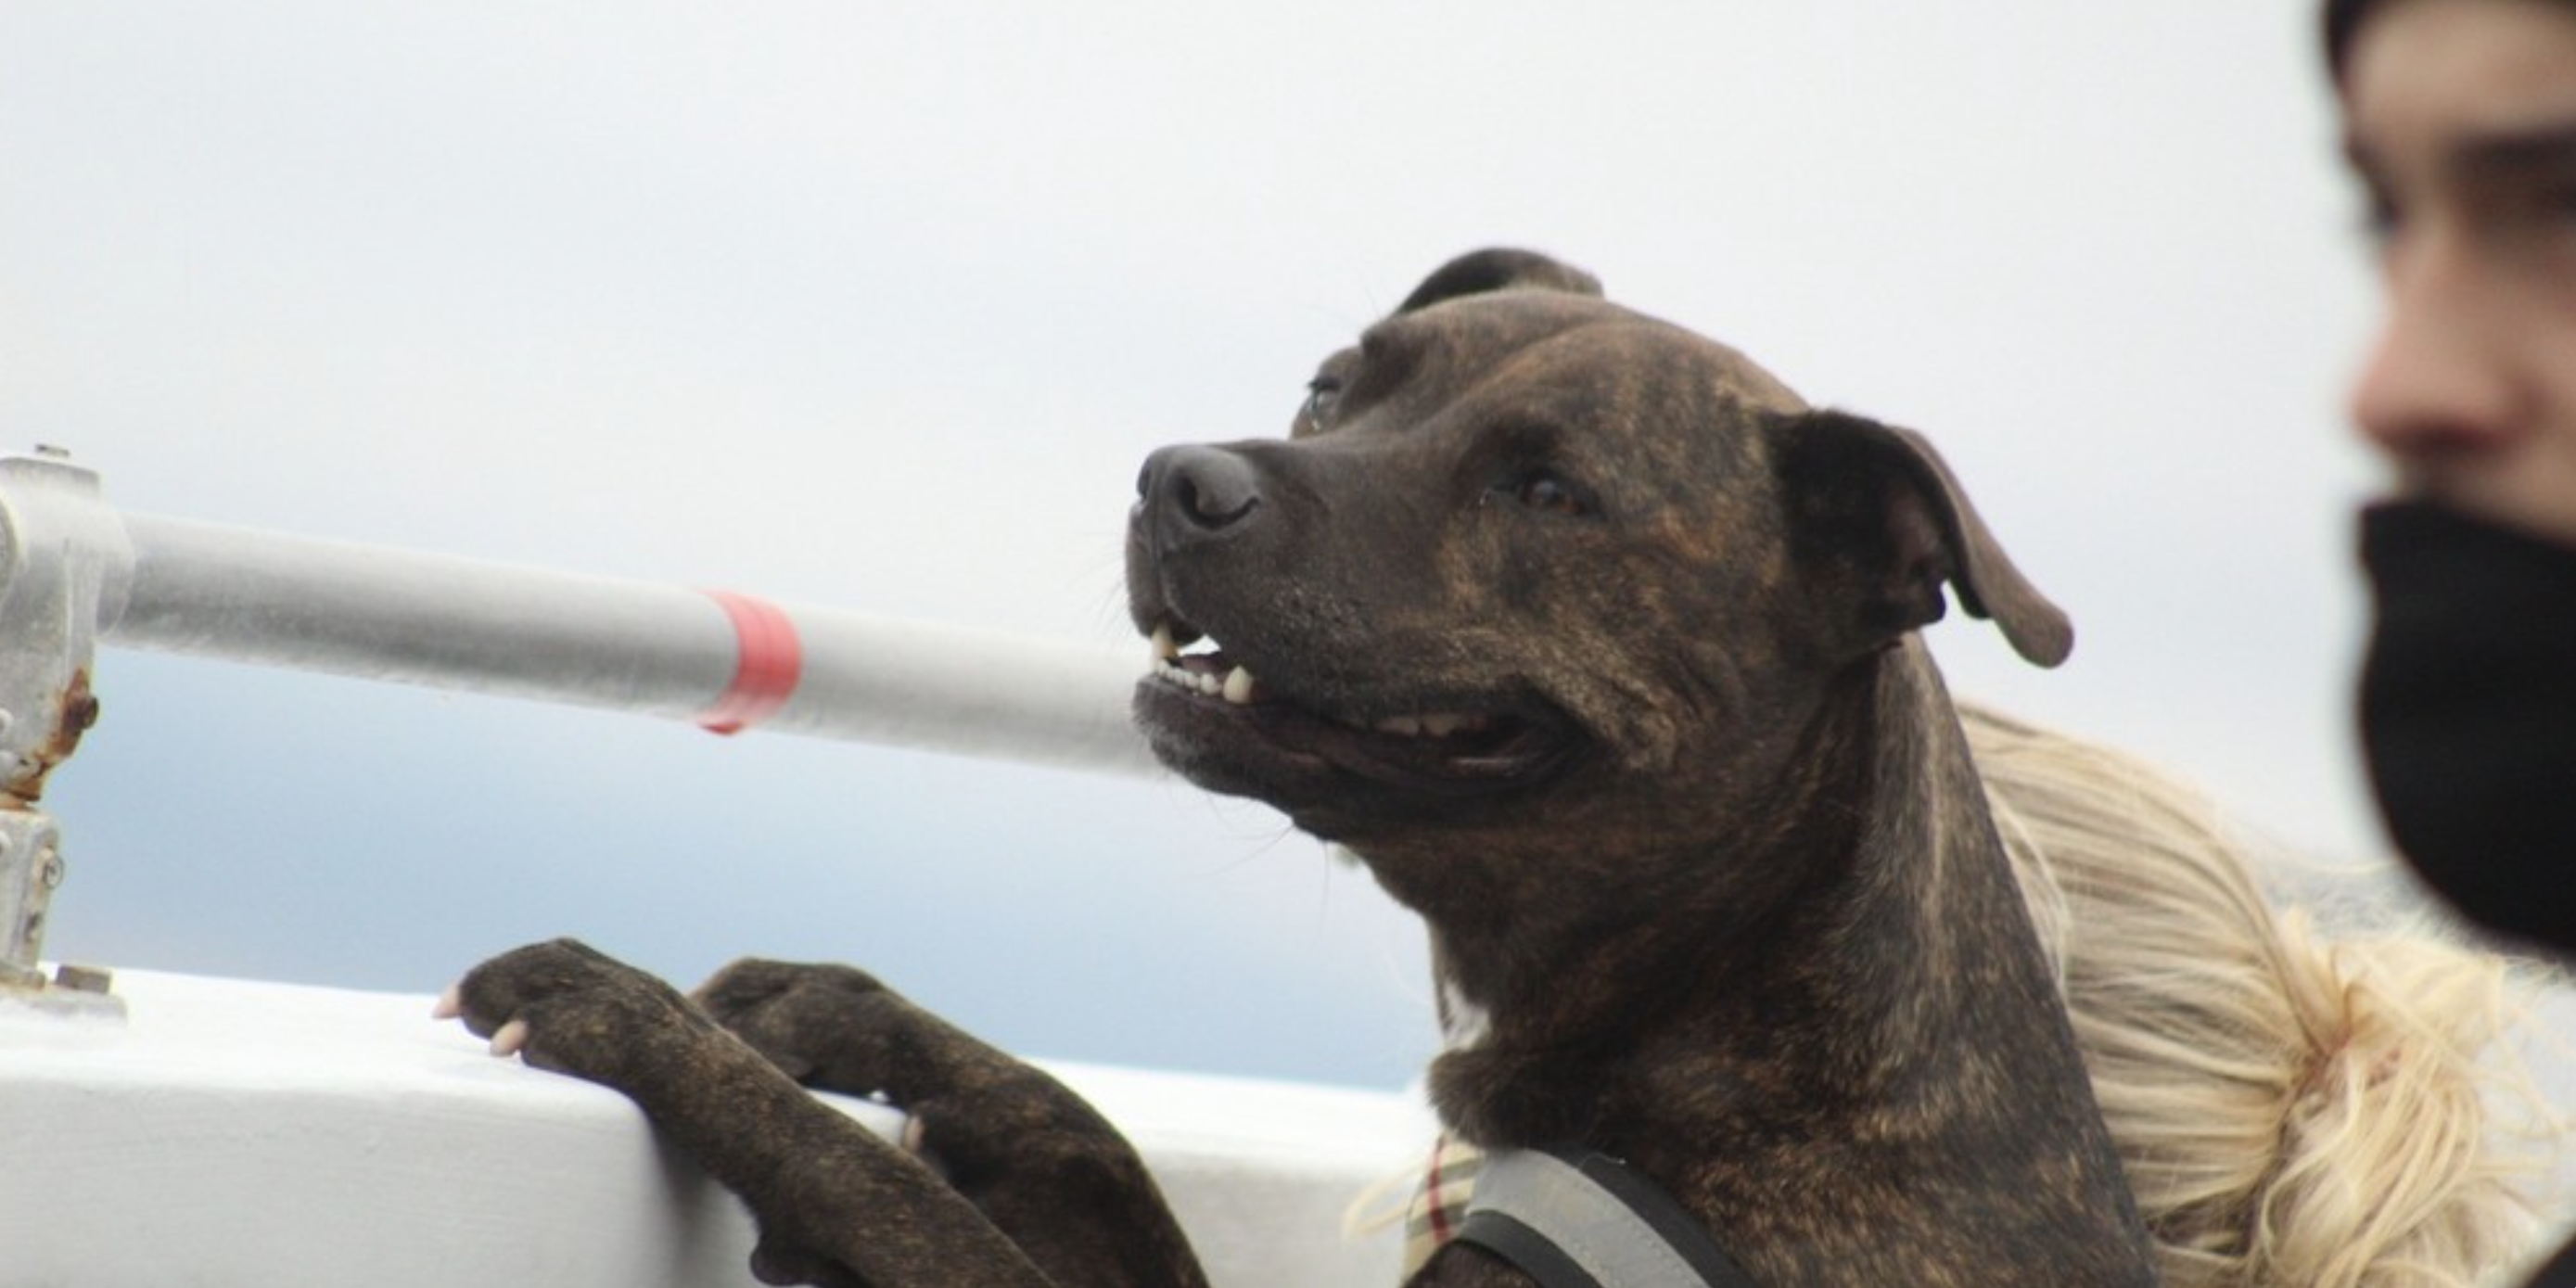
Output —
(1321, 393)
(1548, 493)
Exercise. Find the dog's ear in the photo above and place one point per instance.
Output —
(1874, 508)
(1482, 271)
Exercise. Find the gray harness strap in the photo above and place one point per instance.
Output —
(1591, 1223)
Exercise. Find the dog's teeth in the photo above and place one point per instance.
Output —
(1438, 724)
(1211, 685)
(1164, 648)
(1238, 686)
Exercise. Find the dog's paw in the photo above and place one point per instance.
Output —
(812, 1021)
(777, 1261)
(565, 1006)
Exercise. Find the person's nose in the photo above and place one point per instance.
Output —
(2440, 381)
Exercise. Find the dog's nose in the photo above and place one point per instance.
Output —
(1196, 490)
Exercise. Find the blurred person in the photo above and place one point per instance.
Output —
(2459, 119)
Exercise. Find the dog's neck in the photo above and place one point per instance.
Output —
(1899, 952)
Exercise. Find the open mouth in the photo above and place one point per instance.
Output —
(1195, 691)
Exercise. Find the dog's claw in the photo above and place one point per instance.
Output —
(510, 1039)
(450, 1004)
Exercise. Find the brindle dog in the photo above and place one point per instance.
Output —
(1598, 646)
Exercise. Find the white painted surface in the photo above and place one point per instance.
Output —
(250, 1133)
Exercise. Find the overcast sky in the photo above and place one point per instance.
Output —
(880, 306)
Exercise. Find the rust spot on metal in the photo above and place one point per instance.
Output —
(27, 778)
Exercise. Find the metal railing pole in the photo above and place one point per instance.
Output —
(656, 650)
(75, 573)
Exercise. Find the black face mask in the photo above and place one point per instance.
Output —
(2468, 712)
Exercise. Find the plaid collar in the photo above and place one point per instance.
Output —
(1440, 1203)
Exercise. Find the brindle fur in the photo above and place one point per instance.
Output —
(1728, 904)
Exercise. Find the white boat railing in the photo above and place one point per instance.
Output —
(76, 573)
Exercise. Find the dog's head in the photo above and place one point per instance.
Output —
(1527, 554)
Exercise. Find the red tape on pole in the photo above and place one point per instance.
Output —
(772, 660)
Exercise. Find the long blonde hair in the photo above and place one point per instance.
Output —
(2291, 1110)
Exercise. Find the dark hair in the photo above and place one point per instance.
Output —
(2342, 22)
